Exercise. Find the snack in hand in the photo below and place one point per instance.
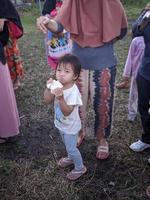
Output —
(55, 84)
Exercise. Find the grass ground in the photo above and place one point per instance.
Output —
(28, 167)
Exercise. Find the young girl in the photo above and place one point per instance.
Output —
(67, 100)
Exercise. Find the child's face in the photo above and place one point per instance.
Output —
(65, 74)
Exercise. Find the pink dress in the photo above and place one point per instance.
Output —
(9, 118)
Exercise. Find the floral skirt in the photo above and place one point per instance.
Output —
(13, 59)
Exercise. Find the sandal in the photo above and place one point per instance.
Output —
(75, 174)
(102, 152)
(64, 162)
(80, 139)
(148, 191)
(3, 140)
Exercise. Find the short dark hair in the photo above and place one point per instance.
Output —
(73, 60)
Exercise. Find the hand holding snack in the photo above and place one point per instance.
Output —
(53, 84)
(58, 92)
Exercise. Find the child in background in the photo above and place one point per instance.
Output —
(132, 65)
(56, 45)
(67, 100)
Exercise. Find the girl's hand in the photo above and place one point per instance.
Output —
(58, 92)
(41, 23)
(50, 80)
(2, 21)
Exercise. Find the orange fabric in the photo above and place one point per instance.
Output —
(13, 59)
(92, 22)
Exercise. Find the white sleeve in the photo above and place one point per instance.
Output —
(74, 98)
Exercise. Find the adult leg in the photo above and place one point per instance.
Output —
(102, 93)
(83, 85)
(143, 105)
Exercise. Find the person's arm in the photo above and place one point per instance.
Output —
(51, 25)
(48, 96)
(66, 109)
(140, 24)
(129, 61)
(44, 24)
(49, 5)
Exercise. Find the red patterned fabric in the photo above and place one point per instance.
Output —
(12, 54)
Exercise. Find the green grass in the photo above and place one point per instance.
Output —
(28, 18)
(138, 3)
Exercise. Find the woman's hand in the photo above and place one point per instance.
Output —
(2, 21)
(41, 23)
(44, 24)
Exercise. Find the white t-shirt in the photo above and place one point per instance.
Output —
(70, 124)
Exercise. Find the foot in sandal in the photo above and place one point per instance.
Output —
(64, 162)
(75, 174)
(102, 151)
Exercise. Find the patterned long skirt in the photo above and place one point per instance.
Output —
(97, 89)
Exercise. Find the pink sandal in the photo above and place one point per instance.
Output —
(64, 162)
(75, 174)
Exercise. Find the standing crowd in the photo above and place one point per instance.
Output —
(85, 77)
